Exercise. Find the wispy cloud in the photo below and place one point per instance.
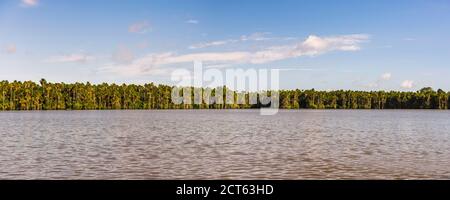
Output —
(192, 21)
(70, 58)
(311, 46)
(149, 64)
(407, 84)
(386, 76)
(30, 3)
(139, 27)
(10, 49)
(409, 39)
(211, 44)
(300, 68)
(259, 36)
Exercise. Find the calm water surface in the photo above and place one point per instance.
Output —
(232, 144)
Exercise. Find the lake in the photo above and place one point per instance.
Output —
(225, 144)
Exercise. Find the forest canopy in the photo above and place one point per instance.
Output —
(44, 95)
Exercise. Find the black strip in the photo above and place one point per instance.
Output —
(281, 189)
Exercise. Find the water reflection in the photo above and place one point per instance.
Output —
(230, 144)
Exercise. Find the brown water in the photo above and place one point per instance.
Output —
(232, 144)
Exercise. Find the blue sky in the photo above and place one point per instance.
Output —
(326, 45)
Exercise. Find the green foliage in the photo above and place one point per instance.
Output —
(86, 96)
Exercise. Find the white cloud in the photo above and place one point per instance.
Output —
(409, 39)
(407, 84)
(211, 44)
(139, 27)
(386, 76)
(154, 63)
(258, 36)
(218, 66)
(70, 58)
(317, 45)
(30, 3)
(145, 65)
(11, 49)
(379, 82)
(192, 21)
(312, 46)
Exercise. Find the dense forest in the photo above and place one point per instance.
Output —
(29, 95)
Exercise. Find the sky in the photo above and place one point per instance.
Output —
(323, 44)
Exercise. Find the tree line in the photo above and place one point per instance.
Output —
(30, 95)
